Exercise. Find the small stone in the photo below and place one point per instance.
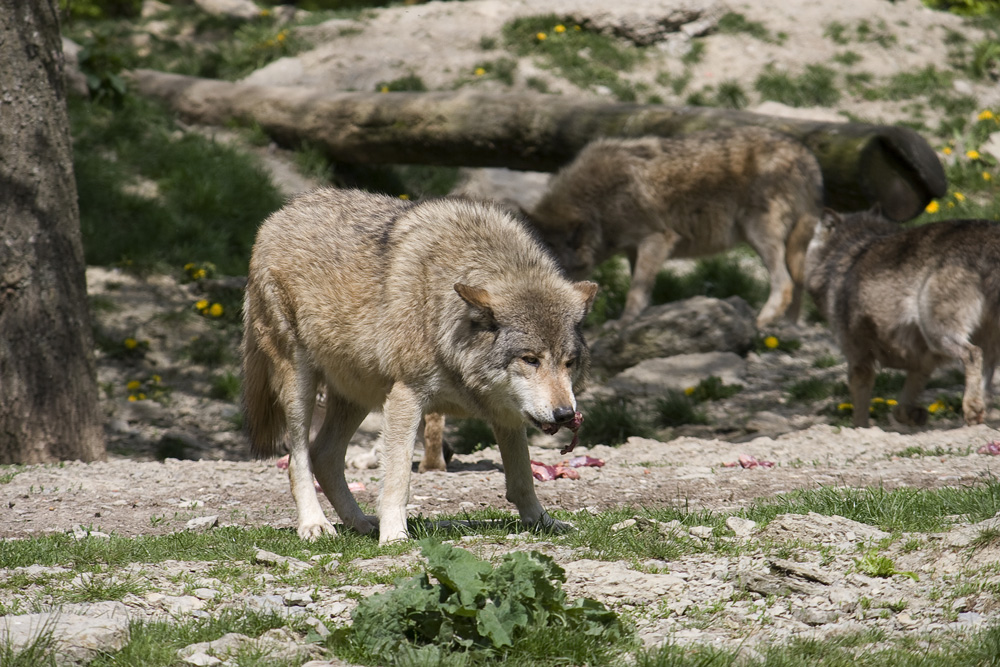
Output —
(202, 523)
(742, 527)
(201, 659)
(702, 532)
(318, 627)
(297, 599)
(622, 525)
(205, 593)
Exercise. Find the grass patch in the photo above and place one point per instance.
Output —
(811, 389)
(826, 361)
(734, 23)
(712, 388)
(814, 87)
(720, 277)
(586, 59)
(470, 435)
(225, 386)
(613, 278)
(678, 409)
(611, 422)
(150, 199)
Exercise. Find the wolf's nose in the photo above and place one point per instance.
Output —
(563, 414)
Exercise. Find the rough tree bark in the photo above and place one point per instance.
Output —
(48, 383)
(862, 164)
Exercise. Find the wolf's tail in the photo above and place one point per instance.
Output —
(263, 416)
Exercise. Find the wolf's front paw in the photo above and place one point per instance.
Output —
(313, 529)
(547, 524)
(974, 412)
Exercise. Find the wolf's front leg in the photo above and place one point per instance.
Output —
(861, 379)
(402, 412)
(513, 443)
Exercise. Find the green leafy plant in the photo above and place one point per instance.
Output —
(461, 603)
(611, 422)
(875, 565)
(470, 435)
(712, 388)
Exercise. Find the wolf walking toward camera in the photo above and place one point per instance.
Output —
(653, 198)
(443, 305)
(910, 298)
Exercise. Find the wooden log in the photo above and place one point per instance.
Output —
(863, 165)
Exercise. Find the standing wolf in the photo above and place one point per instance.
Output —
(654, 198)
(442, 306)
(910, 299)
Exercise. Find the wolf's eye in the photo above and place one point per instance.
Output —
(530, 359)
(570, 363)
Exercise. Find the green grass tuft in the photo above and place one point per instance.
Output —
(611, 422)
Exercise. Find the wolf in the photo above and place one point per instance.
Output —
(912, 299)
(439, 306)
(653, 198)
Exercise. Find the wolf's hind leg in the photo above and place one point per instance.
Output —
(971, 356)
(772, 252)
(328, 452)
(513, 443)
(433, 443)
(652, 252)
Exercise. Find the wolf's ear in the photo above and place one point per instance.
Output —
(830, 218)
(479, 299)
(587, 291)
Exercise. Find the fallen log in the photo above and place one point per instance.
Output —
(863, 165)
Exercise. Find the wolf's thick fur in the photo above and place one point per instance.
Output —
(909, 299)
(444, 306)
(653, 198)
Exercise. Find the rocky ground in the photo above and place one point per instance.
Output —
(178, 461)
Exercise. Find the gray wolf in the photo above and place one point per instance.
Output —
(653, 198)
(445, 305)
(912, 299)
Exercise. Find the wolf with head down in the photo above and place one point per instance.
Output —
(446, 306)
(653, 198)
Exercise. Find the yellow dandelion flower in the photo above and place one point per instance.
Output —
(189, 266)
(215, 310)
(878, 399)
(156, 379)
(281, 36)
(384, 89)
(771, 342)
(132, 397)
(688, 391)
(845, 406)
(959, 196)
(892, 402)
(559, 28)
(199, 274)
(202, 304)
(131, 343)
(985, 114)
(936, 406)
(946, 150)
(972, 155)
(479, 71)
(987, 176)
(142, 397)
(933, 207)
(133, 385)
(541, 36)
(404, 196)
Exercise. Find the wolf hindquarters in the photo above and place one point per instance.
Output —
(910, 298)
(438, 306)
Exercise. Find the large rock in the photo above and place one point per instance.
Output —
(654, 377)
(699, 324)
(79, 632)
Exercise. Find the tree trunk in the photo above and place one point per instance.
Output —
(863, 165)
(48, 384)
